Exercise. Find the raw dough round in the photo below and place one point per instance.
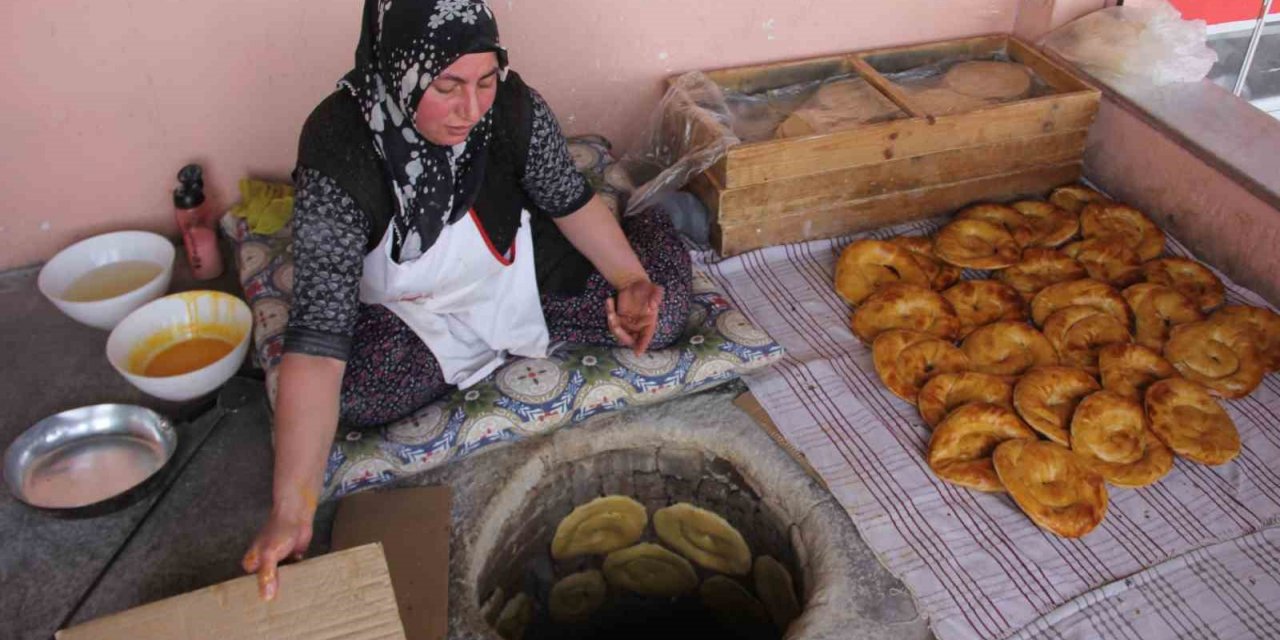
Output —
(989, 79)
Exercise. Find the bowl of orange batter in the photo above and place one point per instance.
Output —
(182, 346)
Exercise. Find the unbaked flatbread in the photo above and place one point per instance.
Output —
(989, 79)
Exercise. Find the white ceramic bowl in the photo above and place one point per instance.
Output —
(91, 253)
(176, 314)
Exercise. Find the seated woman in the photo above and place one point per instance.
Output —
(439, 228)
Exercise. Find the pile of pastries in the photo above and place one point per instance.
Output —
(692, 541)
(1085, 359)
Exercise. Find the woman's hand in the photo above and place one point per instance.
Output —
(633, 319)
(287, 533)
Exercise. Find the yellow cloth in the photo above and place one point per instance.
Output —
(266, 206)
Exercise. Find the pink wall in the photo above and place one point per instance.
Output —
(104, 101)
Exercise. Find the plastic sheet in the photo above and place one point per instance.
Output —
(1143, 44)
(957, 84)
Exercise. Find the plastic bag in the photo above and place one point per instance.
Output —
(1129, 43)
(691, 130)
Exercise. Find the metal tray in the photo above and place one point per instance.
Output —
(88, 456)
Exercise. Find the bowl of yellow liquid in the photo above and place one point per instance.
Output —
(99, 280)
(182, 346)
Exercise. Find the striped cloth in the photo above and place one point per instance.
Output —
(978, 567)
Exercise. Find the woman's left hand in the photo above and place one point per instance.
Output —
(633, 319)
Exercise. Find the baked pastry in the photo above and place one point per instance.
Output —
(1051, 225)
(961, 446)
(1128, 369)
(941, 275)
(867, 264)
(1079, 332)
(1107, 259)
(514, 618)
(703, 537)
(1188, 277)
(905, 306)
(989, 79)
(575, 597)
(1157, 309)
(777, 591)
(1265, 322)
(1004, 215)
(731, 603)
(1007, 349)
(1110, 433)
(943, 393)
(1189, 421)
(599, 526)
(1038, 269)
(1114, 220)
(1088, 293)
(1074, 197)
(976, 244)
(905, 360)
(1221, 355)
(650, 570)
(1046, 397)
(1052, 485)
(979, 302)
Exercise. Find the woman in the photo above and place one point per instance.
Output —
(440, 226)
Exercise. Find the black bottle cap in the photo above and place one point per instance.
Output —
(190, 191)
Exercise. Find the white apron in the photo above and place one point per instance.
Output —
(468, 304)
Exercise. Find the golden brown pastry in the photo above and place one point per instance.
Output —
(515, 617)
(1018, 226)
(1266, 324)
(575, 597)
(1088, 293)
(1110, 433)
(776, 590)
(989, 79)
(1051, 225)
(703, 537)
(905, 306)
(731, 603)
(1074, 197)
(1221, 355)
(1114, 220)
(1156, 310)
(1046, 397)
(961, 446)
(976, 244)
(1038, 269)
(1188, 277)
(1107, 259)
(979, 302)
(905, 360)
(941, 275)
(1007, 349)
(599, 526)
(1128, 369)
(1052, 485)
(1189, 421)
(650, 570)
(1079, 332)
(943, 393)
(867, 264)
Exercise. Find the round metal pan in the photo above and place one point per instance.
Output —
(84, 460)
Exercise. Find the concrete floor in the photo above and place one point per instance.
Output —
(189, 532)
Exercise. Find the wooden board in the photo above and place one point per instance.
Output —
(340, 596)
(876, 143)
(823, 190)
(892, 208)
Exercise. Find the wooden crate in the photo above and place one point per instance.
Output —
(918, 166)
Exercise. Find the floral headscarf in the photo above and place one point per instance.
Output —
(404, 45)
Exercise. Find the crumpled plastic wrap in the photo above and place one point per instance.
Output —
(1136, 44)
(956, 84)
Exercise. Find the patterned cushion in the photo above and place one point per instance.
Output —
(525, 397)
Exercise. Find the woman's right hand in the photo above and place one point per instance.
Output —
(287, 533)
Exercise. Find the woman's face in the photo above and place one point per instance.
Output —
(458, 98)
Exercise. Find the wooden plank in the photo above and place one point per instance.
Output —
(1055, 75)
(345, 595)
(894, 208)
(889, 89)
(821, 190)
(707, 189)
(875, 143)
